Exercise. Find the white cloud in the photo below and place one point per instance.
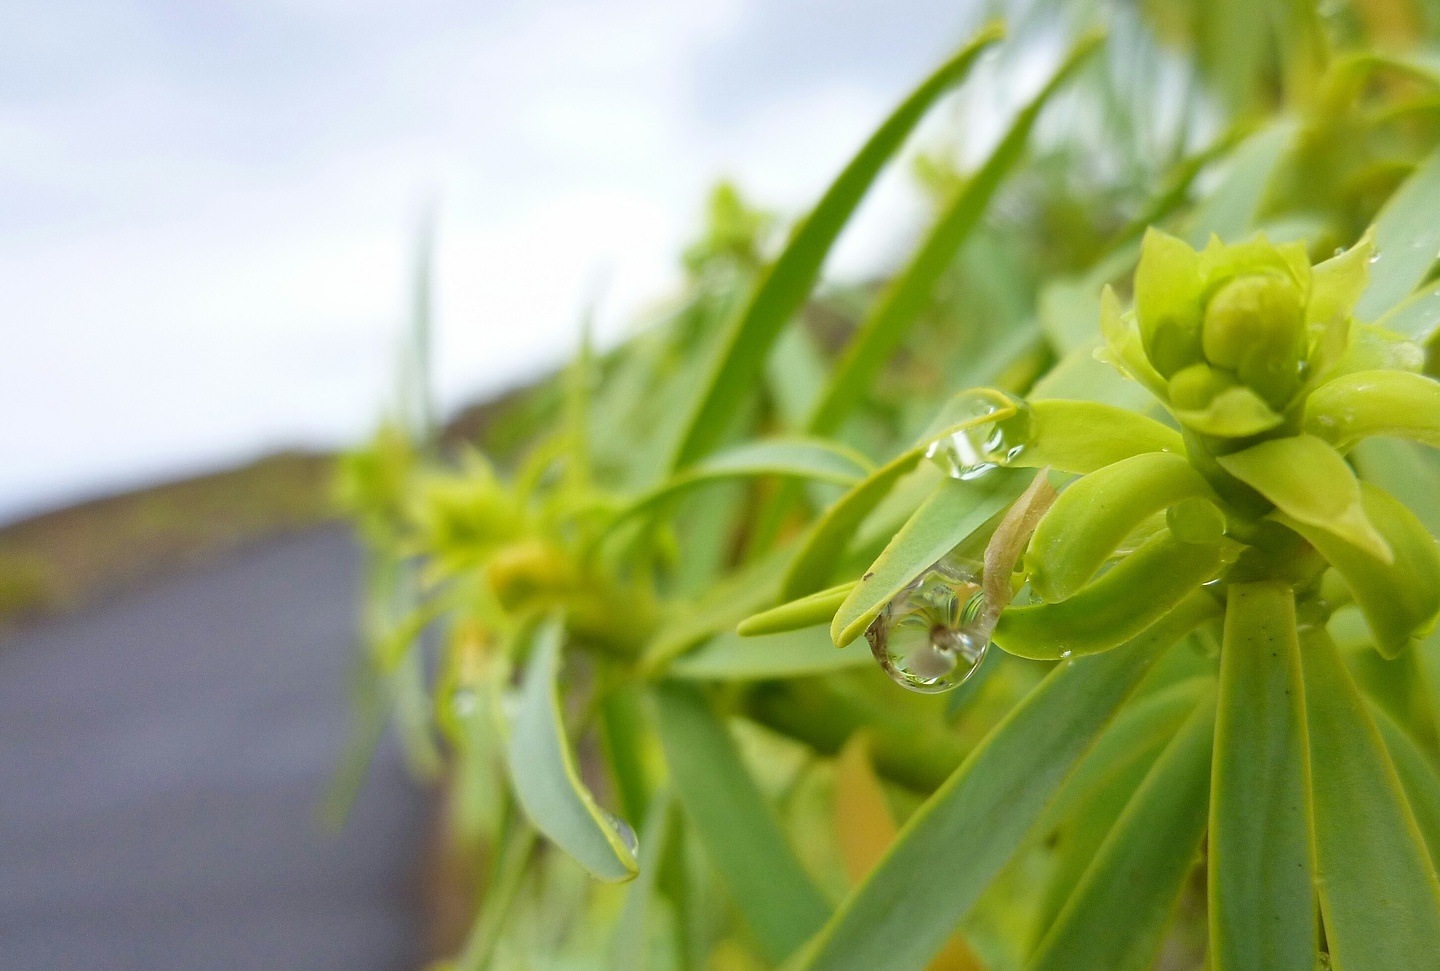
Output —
(205, 227)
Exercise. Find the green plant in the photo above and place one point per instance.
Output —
(1162, 580)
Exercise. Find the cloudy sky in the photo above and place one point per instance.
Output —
(207, 208)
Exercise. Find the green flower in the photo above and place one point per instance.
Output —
(1256, 356)
(1231, 338)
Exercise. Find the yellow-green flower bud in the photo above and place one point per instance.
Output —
(1255, 326)
(1194, 387)
(1167, 302)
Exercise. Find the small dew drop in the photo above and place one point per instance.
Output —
(1065, 654)
(624, 830)
(971, 452)
(1374, 258)
(934, 633)
(462, 702)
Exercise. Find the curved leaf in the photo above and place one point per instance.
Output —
(907, 296)
(1400, 599)
(955, 844)
(1398, 404)
(741, 837)
(791, 654)
(1116, 916)
(1378, 892)
(788, 281)
(547, 781)
(1311, 483)
(1262, 908)
(1134, 594)
(956, 510)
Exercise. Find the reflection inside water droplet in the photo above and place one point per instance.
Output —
(935, 632)
(624, 831)
(971, 452)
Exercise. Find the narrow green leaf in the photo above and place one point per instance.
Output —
(1131, 596)
(1229, 211)
(1417, 316)
(1400, 599)
(1262, 908)
(956, 509)
(724, 605)
(1083, 436)
(767, 884)
(1311, 483)
(1417, 775)
(817, 608)
(1116, 916)
(1092, 799)
(624, 734)
(792, 654)
(952, 847)
(546, 779)
(1378, 892)
(1398, 404)
(1407, 239)
(791, 458)
(788, 281)
(1144, 725)
(907, 296)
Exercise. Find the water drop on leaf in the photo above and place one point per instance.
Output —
(935, 632)
(624, 831)
(463, 702)
(971, 452)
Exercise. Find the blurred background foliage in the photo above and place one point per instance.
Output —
(589, 497)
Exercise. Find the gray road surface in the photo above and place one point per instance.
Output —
(160, 760)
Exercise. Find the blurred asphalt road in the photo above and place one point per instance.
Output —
(161, 756)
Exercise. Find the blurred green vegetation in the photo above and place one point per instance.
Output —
(551, 612)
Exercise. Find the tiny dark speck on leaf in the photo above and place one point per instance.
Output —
(867, 576)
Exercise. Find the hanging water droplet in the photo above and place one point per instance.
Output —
(623, 830)
(934, 633)
(971, 452)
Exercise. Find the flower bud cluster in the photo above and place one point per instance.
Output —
(1231, 337)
